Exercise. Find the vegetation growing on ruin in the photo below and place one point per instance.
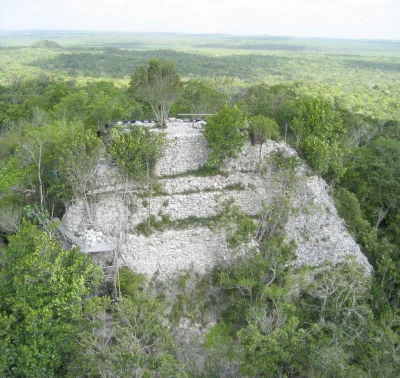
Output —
(339, 111)
(137, 151)
(226, 136)
(159, 85)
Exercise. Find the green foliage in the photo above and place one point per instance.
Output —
(281, 164)
(10, 216)
(220, 348)
(240, 228)
(183, 280)
(52, 163)
(342, 112)
(380, 251)
(374, 176)
(339, 296)
(42, 291)
(79, 158)
(313, 322)
(257, 281)
(125, 338)
(74, 106)
(129, 282)
(169, 367)
(199, 97)
(152, 224)
(320, 133)
(137, 152)
(146, 227)
(225, 135)
(203, 171)
(13, 176)
(271, 354)
(263, 128)
(159, 85)
(349, 208)
(276, 102)
(178, 309)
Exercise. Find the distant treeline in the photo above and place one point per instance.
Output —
(114, 62)
(264, 46)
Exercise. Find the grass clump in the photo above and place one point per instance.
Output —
(151, 224)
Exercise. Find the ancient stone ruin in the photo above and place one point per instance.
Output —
(118, 206)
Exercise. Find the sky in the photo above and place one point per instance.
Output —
(370, 19)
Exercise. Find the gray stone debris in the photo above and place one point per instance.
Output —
(93, 238)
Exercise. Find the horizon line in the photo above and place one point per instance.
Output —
(198, 33)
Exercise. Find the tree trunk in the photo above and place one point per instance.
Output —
(87, 205)
(286, 127)
(161, 114)
(149, 190)
(40, 176)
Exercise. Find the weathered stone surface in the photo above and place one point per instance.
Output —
(187, 152)
(314, 224)
(172, 251)
(319, 232)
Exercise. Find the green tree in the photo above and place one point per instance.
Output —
(42, 289)
(240, 228)
(159, 85)
(72, 107)
(275, 101)
(137, 152)
(125, 339)
(225, 135)
(261, 129)
(320, 134)
(200, 97)
(375, 178)
(78, 162)
(272, 354)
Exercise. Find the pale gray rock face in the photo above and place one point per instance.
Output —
(117, 209)
(319, 232)
(170, 251)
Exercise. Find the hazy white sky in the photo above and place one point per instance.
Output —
(316, 18)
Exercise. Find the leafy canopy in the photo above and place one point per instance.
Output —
(42, 288)
(159, 85)
(225, 135)
(137, 152)
(263, 128)
(320, 134)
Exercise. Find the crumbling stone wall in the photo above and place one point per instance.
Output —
(315, 226)
(186, 152)
(171, 251)
(317, 229)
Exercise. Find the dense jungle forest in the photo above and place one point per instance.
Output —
(337, 102)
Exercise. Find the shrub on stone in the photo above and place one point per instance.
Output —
(137, 152)
(226, 135)
(263, 128)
